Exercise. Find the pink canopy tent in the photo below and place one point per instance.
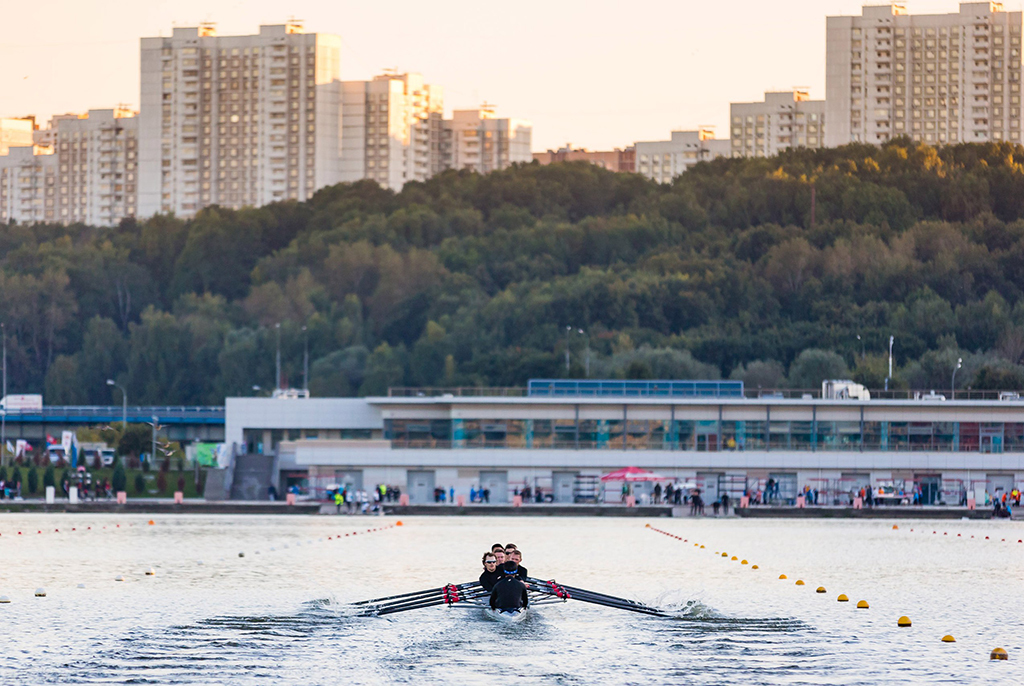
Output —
(633, 474)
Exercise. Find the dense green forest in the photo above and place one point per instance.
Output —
(473, 280)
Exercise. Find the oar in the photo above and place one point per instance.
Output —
(468, 584)
(417, 605)
(573, 590)
(600, 599)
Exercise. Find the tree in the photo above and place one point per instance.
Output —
(63, 384)
(33, 479)
(49, 477)
(813, 366)
(135, 440)
(118, 480)
(384, 368)
(760, 374)
(140, 484)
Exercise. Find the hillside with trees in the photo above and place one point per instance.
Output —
(472, 280)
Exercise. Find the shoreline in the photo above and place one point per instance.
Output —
(261, 507)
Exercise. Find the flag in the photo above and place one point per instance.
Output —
(50, 440)
(10, 447)
(66, 439)
(74, 454)
(22, 449)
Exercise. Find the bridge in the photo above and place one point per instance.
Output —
(179, 423)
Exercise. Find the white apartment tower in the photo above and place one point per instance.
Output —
(481, 142)
(944, 78)
(15, 132)
(28, 185)
(238, 120)
(662, 161)
(88, 175)
(788, 119)
(392, 128)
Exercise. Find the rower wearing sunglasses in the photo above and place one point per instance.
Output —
(491, 572)
(512, 553)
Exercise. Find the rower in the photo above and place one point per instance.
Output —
(509, 594)
(517, 557)
(491, 573)
(498, 550)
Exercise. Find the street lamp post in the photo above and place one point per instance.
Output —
(124, 404)
(305, 361)
(586, 363)
(861, 346)
(277, 377)
(952, 384)
(568, 330)
(891, 339)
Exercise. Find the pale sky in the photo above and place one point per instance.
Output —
(595, 73)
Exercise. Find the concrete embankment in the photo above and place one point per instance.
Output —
(863, 513)
(531, 510)
(163, 506)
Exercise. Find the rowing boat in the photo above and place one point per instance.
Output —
(472, 595)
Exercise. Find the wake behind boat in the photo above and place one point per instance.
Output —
(507, 616)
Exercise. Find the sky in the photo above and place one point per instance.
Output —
(594, 73)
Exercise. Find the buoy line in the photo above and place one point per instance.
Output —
(151, 572)
(902, 622)
(971, 537)
(13, 534)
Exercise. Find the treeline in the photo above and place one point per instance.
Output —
(473, 280)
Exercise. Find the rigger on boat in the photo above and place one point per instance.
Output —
(504, 592)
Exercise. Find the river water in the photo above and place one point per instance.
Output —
(280, 614)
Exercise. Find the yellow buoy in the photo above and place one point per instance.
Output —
(151, 522)
(820, 589)
(725, 554)
(799, 582)
(743, 562)
(783, 576)
(894, 527)
(754, 567)
(647, 526)
(862, 604)
(998, 654)
(842, 598)
(398, 523)
(702, 547)
(695, 545)
(948, 638)
(903, 621)
(734, 557)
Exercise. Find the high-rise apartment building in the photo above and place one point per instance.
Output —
(788, 119)
(662, 161)
(481, 142)
(15, 132)
(27, 185)
(238, 120)
(88, 175)
(943, 78)
(392, 130)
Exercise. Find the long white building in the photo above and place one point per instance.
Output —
(939, 78)
(788, 119)
(392, 130)
(662, 161)
(562, 442)
(238, 120)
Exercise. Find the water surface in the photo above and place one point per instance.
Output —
(280, 614)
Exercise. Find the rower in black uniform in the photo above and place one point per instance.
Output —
(509, 594)
(517, 557)
(491, 572)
